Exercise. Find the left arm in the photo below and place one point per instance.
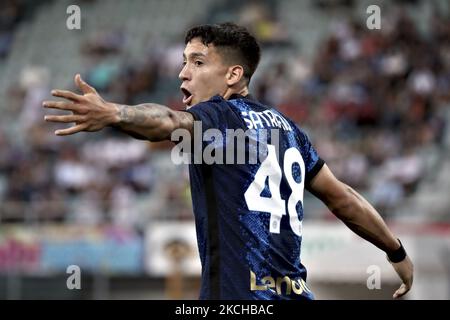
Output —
(362, 218)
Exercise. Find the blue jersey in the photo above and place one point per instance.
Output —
(249, 214)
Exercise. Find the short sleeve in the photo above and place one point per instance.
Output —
(313, 162)
(212, 115)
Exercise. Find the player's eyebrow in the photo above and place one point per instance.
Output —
(194, 55)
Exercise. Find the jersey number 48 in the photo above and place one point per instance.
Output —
(275, 205)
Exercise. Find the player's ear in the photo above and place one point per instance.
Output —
(234, 75)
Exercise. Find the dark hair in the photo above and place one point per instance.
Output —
(234, 42)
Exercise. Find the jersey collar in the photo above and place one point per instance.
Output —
(239, 96)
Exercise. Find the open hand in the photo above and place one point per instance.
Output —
(89, 111)
(405, 270)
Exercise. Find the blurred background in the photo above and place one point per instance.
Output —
(376, 104)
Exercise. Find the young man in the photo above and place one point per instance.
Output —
(248, 215)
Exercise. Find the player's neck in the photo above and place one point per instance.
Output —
(230, 91)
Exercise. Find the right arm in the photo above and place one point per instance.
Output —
(149, 121)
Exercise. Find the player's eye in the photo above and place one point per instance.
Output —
(184, 63)
(198, 63)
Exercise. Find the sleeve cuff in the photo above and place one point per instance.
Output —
(314, 171)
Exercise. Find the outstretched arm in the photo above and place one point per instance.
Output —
(350, 207)
(90, 112)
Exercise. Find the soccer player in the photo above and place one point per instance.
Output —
(248, 215)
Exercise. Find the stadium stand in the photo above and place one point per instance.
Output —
(375, 103)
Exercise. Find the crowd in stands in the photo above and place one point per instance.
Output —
(370, 101)
(11, 14)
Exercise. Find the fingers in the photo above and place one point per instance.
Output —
(71, 130)
(84, 87)
(61, 105)
(64, 118)
(401, 291)
(405, 270)
(67, 95)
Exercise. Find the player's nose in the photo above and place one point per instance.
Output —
(184, 74)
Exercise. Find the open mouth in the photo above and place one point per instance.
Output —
(187, 96)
